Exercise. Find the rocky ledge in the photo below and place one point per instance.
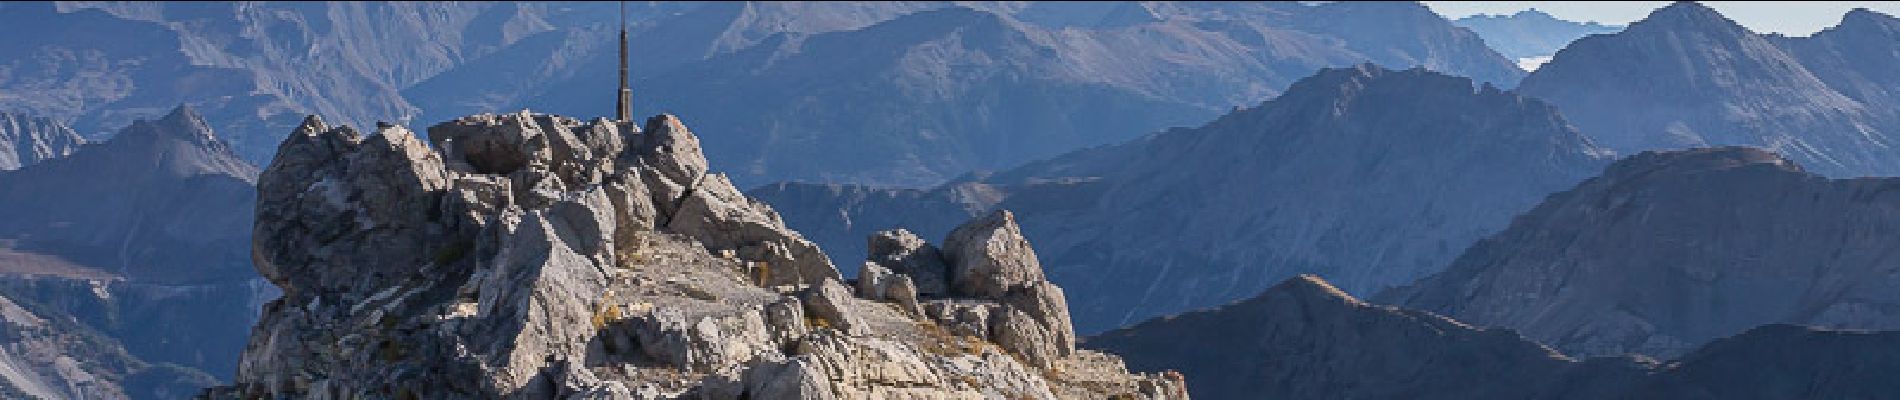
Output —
(537, 256)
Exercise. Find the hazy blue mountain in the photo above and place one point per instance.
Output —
(47, 355)
(941, 90)
(1073, 75)
(143, 238)
(1667, 251)
(1371, 176)
(1305, 339)
(1688, 77)
(1530, 36)
(254, 69)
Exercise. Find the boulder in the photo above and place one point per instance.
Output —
(905, 253)
(988, 256)
(828, 304)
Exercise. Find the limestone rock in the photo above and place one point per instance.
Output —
(829, 303)
(880, 284)
(988, 256)
(902, 252)
(528, 261)
(1043, 303)
(962, 317)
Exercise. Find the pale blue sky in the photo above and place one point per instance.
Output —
(1794, 18)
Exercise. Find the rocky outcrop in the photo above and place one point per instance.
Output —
(1305, 183)
(1306, 339)
(536, 256)
(997, 288)
(28, 140)
(1670, 250)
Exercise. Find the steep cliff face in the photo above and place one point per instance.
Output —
(1688, 77)
(26, 140)
(1375, 177)
(536, 256)
(1305, 339)
(1667, 251)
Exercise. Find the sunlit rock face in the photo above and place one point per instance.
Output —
(537, 256)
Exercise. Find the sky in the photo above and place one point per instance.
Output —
(1793, 18)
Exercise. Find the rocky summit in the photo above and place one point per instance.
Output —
(536, 256)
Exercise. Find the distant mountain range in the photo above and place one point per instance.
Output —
(141, 242)
(1531, 37)
(914, 94)
(1372, 176)
(1306, 339)
(1688, 77)
(930, 90)
(1668, 251)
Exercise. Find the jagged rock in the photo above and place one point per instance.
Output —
(853, 364)
(988, 256)
(565, 278)
(902, 252)
(904, 293)
(873, 280)
(828, 303)
(962, 317)
(880, 284)
(1019, 333)
(786, 320)
(721, 217)
(702, 342)
(672, 151)
(797, 378)
(1045, 305)
(387, 185)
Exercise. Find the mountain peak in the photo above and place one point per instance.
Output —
(1862, 18)
(1534, 13)
(183, 123)
(1688, 15)
(1309, 287)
